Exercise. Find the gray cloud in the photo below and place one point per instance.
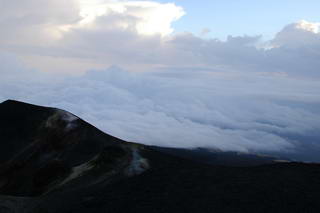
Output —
(301, 34)
(34, 22)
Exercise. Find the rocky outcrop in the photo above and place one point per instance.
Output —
(50, 149)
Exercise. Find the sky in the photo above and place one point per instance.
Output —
(245, 17)
(219, 74)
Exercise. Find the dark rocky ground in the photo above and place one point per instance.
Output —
(42, 151)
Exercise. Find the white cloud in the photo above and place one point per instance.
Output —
(308, 26)
(239, 112)
(85, 32)
(299, 34)
(102, 33)
(37, 21)
(147, 16)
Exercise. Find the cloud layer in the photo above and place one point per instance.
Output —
(134, 34)
(241, 94)
(251, 112)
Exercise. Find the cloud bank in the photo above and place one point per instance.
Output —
(118, 65)
(206, 108)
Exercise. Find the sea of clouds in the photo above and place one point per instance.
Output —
(183, 108)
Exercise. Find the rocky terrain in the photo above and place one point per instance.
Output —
(52, 161)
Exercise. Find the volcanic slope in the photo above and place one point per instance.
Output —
(52, 161)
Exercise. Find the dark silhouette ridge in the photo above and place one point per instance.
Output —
(52, 161)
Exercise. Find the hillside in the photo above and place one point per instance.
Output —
(52, 161)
